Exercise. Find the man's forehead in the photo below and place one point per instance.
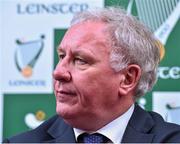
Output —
(86, 32)
(90, 24)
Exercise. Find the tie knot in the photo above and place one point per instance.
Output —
(92, 138)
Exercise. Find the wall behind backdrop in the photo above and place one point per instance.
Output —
(30, 32)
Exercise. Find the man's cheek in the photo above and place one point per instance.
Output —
(55, 84)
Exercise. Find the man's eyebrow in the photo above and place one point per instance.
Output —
(59, 49)
(83, 52)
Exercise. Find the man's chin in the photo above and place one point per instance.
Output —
(65, 113)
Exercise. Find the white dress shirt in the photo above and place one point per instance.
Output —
(113, 130)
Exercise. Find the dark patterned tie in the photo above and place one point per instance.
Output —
(92, 138)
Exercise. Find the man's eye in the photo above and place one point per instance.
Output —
(79, 61)
(61, 56)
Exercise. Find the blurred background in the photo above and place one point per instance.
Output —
(30, 31)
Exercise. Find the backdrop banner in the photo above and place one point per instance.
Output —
(27, 54)
(1, 116)
(27, 42)
(163, 18)
(1, 96)
(30, 32)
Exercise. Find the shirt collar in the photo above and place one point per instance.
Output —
(115, 129)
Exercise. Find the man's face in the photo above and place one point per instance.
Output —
(86, 87)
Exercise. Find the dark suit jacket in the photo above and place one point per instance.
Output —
(146, 127)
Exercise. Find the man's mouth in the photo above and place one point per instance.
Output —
(65, 96)
(67, 92)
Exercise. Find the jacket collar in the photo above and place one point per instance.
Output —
(138, 127)
(61, 132)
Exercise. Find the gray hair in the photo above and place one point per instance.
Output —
(132, 43)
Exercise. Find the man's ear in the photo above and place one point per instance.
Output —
(129, 79)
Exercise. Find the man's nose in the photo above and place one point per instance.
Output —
(61, 73)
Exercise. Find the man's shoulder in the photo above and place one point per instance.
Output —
(35, 135)
(161, 127)
(147, 126)
(154, 124)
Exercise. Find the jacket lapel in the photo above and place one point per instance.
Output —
(138, 127)
(61, 132)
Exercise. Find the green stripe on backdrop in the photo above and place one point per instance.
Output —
(18, 106)
(58, 35)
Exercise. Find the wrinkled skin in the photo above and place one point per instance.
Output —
(85, 85)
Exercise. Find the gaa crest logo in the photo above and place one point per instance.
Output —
(27, 54)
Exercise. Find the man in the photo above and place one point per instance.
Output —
(107, 59)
